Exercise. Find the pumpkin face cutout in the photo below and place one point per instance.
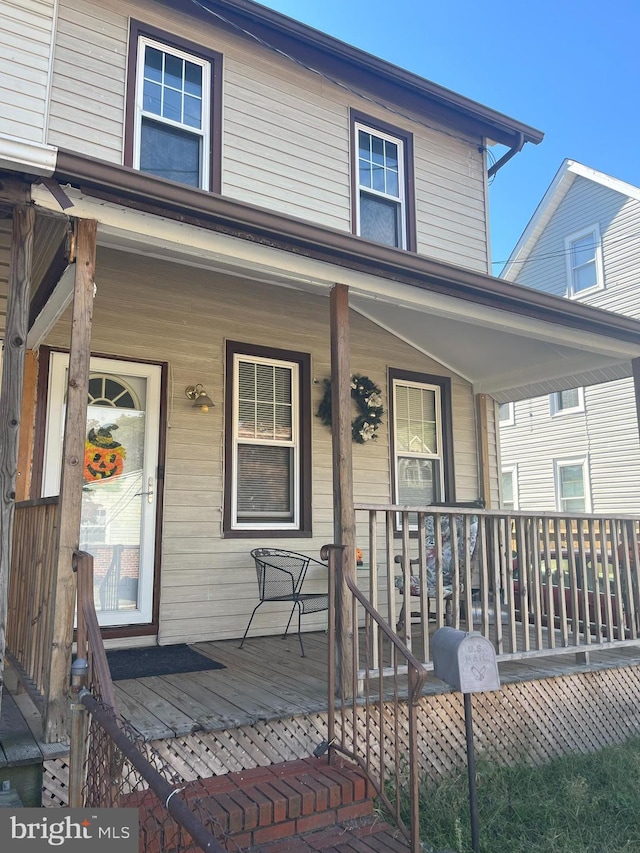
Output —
(103, 456)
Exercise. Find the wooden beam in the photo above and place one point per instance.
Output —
(344, 523)
(11, 394)
(482, 427)
(71, 481)
(27, 426)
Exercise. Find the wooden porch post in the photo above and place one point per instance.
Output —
(343, 512)
(24, 218)
(483, 449)
(71, 481)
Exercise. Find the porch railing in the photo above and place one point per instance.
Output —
(380, 731)
(534, 585)
(30, 616)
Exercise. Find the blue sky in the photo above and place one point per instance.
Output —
(570, 68)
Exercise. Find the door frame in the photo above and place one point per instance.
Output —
(41, 420)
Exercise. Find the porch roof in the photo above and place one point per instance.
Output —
(507, 340)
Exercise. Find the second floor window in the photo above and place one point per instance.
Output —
(381, 181)
(584, 261)
(563, 402)
(173, 108)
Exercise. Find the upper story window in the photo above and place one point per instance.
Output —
(506, 414)
(584, 261)
(267, 440)
(566, 402)
(173, 109)
(382, 183)
(420, 418)
(509, 483)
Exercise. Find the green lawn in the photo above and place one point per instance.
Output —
(578, 804)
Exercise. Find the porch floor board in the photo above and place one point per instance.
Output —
(269, 680)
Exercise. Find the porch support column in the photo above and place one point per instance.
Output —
(635, 366)
(71, 480)
(482, 429)
(343, 512)
(24, 218)
(25, 446)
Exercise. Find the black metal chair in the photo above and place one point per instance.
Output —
(281, 575)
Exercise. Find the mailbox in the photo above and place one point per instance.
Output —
(467, 662)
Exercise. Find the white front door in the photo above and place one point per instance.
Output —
(120, 470)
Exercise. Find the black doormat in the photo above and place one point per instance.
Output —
(158, 660)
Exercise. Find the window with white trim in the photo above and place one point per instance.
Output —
(566, 402)
(572, 494)
(417, 442)
(381, 190)
(265, 486)
(506, 414)
(584, 261)
(509, 494)
(172, 122)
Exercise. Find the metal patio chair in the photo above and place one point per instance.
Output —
(281, 575)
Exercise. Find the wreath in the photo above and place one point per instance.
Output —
(368, 398)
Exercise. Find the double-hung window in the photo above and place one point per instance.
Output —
(173, 109)
(383, 210)
(566, 402)
(419, 434)
(584, 261)
(572, 494)
(267, 443)
(509, 495)
(506, 414)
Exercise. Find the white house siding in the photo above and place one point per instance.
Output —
(607, 432)
(147, 309)
(285, 130)
(25, 45)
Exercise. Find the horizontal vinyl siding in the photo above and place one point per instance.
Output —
(88, 92)
(183, 315)
(25, 43)
(285, 132)
(534, 442)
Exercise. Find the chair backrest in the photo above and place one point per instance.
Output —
(280, 573)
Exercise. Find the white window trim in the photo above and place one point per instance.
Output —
(401, 198)
(558, 464)
(511, 418)
(568, 243)
(513, 470)
(439, 438)
(295, 443)
(204, 133)
(557, 412)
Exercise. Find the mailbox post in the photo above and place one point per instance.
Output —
(466, 662)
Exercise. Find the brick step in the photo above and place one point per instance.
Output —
(288, 802)
(365, 835)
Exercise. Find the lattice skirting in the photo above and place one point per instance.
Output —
(531, 721)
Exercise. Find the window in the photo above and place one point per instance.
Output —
(571, 486)
(584, 261)
(420, 407)
(506, 414)
(267, 445)
(382, 181)
(509, 497)
(566, 402)
(173, 109)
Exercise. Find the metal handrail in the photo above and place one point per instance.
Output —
(370, 719)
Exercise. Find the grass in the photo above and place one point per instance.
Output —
(575, 804)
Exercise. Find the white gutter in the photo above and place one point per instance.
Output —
(21, 155)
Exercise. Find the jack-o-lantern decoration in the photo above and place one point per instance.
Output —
(103, 455)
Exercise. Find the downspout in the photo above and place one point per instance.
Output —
(508, 155)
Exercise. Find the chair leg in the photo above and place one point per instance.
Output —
(300, 630)
(286, 630)
(249, 625)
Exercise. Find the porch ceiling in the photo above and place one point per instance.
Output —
(511, 352)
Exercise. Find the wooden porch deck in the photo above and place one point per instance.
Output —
(269, 680)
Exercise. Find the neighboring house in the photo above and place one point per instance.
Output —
(239, 166)
(577, 449)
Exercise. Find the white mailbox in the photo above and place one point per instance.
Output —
(465, 661)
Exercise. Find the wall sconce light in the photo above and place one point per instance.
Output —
(201, 399)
